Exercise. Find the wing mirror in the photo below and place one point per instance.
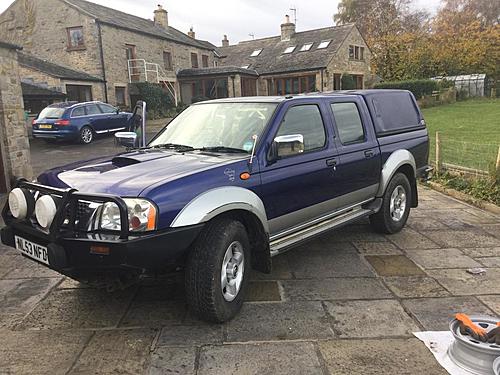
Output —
(126, 139)
(287, 145)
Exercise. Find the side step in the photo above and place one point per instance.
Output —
(282, 244)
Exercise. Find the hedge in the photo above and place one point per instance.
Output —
(419, 87)
(157, 99)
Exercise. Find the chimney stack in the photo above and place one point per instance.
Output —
(287, 29)
(161, 17)
(191, 33)
(225, 41)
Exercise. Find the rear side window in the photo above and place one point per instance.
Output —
(348, 122)
(92, 109)
(107, 108)
(394, 112)
(78, 111)
(305, 120)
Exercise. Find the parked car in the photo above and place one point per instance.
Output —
(226, 186)
(78, 121)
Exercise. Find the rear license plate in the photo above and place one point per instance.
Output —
(45, 126)
(32, 249)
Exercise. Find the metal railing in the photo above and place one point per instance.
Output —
(139, 70)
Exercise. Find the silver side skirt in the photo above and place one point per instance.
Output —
(284, 243)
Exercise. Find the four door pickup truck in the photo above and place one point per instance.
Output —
(227, 185)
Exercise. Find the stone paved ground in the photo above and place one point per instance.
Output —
(345, 303)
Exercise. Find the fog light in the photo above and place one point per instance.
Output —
(21, 203)
(45, 211)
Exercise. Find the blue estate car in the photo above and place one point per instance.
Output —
(78, 121)
(227, 185)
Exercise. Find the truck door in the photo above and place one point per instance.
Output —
(359, 166)
(298, 188)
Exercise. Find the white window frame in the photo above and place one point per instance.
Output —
(289, 49)
(256, 52)
(324, 44)
(306, 47)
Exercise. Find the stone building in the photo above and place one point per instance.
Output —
(116, 47)
(14, 146)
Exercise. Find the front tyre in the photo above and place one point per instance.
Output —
(86, 135)
(395, 208)
(217, 271)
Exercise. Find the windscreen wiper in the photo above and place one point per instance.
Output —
(174, 146)
(224, 149)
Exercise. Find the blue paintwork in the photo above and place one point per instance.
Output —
(172, 179)
(100, 123)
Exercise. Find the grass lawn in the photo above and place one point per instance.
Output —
(469, 131)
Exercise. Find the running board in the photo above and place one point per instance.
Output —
(282, 244)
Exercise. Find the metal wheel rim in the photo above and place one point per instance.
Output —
(232, 271)
(87, 135)
(398, 203)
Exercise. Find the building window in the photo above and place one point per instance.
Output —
(204, 61)
(75, 38)
(292, 85)
(324, 44)
(194, 60)
(306, 47)
(289, 49)
(356, 53)
(120, 96)
(79, 93)
(167, 60)
(256, 52)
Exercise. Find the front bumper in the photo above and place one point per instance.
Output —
(73, 250)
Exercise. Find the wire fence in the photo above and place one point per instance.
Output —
(469, 158)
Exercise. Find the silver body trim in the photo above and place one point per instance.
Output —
(396, 160)
(219, 200)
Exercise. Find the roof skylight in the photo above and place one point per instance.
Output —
(256, 52)
(306, 47)
(324, 44)
(289, 49)
(245, 66)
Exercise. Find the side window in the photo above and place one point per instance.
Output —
(348, 123)
(305, 120)
(78, 111)
(107, 109)
(92, 109)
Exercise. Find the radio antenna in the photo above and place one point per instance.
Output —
(294, 10)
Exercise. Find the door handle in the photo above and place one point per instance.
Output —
(331, 162)
(369, 153)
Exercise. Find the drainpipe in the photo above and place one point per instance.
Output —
(101, 50)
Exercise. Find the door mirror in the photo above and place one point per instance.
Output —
(117, 111)
(288, 145)
(126, 139)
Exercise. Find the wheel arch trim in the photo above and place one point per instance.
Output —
(395, 161)
(214, 202)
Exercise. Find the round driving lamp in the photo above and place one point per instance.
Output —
(45, 211)
(21, 203)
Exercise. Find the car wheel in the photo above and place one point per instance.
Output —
(86, 135)
(217, 271)
(395, 208)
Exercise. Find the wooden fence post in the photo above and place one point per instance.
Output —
(438, 153)
(497, 165)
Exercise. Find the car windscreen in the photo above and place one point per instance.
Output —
(51, 112)
(208, 125)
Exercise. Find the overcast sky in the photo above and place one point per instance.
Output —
(236, 18)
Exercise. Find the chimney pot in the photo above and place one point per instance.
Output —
(191, 33)
(225, 41)
(161, 17)
(287, 29)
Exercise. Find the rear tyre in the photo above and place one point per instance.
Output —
(86, 135)
(395, 208)
(217, 271)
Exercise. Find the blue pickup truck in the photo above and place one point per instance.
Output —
(227, 185)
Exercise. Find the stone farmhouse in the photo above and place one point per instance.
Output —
(78, 50)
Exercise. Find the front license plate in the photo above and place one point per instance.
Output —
(45, 126)
(32, 249)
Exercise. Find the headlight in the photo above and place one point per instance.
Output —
(141, 215)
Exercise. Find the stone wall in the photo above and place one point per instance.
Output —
(13, 133)
(341, 63)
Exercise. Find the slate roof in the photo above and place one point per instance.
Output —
(223, 70)
(30, 89)
(130, 22)
(54, 70)
(272, 60)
